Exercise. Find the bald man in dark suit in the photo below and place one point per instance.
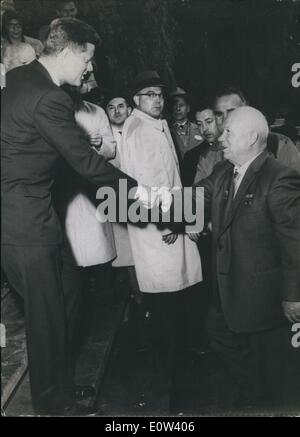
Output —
(253, 202)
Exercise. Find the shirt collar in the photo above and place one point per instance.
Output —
(157, 122)
(216, 147)
(116, 129)
(241, 169)
(180, 124)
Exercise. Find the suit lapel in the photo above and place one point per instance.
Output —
(249, 177)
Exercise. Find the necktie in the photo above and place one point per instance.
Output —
(231, 193)
(236, 177)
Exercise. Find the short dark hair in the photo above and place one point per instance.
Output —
(7, 17)
(228, 90)
(110, 96)
(64, 32)
(204, 104)
(61, 3)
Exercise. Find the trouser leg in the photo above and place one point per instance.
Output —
(199, 300)
(270, 349)
(291, 388)
(255, 361)
(103, 279)
(73, 284)
(235, 353)
(35, 273)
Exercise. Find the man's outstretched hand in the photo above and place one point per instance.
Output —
(147, 196)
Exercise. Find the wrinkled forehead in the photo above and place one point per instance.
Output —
(237, 120)
(229, 102)
(204, 115)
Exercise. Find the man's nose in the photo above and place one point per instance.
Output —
(90, 67)
(222, 136)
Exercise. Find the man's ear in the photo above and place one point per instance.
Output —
(129, 110)
(188, 109)
(64, 52)
(136, 100)
(253, 137)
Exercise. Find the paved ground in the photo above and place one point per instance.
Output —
(134, 386)
(117, 360)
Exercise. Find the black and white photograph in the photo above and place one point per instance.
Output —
(150, 211)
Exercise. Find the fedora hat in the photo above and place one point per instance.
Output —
(180, 92)
(145, 80)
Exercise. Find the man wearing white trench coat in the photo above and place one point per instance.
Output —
(168, 267)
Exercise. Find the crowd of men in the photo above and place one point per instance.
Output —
(246, 259)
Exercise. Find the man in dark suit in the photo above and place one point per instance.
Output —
(199, 162)
(254, 204)
(38, 130)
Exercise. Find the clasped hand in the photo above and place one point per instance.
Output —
(150, 197)
(95, 141)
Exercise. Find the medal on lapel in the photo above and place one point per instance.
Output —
(249, 200)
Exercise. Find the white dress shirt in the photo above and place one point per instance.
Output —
(241, 171)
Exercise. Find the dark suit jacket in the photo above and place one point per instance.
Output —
(37, 130)
(256, 248)
(189, 168)
(189, 164)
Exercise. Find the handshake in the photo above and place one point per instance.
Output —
(151, 197)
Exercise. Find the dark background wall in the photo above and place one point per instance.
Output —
(198, 44)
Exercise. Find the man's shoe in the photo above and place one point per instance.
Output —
(81, 392)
